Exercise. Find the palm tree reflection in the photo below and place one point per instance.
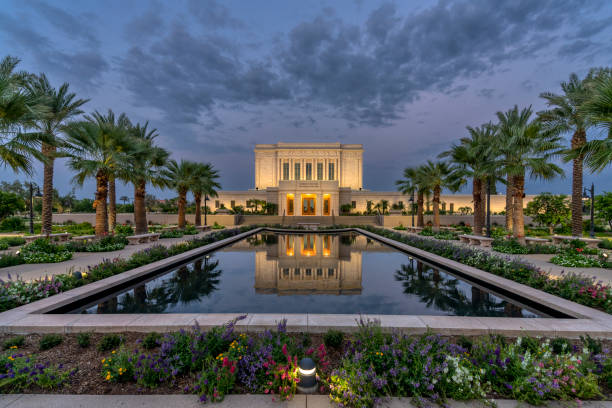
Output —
(189, 284)
(443, 291)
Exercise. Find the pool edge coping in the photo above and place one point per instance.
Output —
(30, 318)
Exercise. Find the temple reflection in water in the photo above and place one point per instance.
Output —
(294, 264)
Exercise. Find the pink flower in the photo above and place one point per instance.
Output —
(232, 369)
(285, 349)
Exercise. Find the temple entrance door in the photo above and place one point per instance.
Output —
(308, 204)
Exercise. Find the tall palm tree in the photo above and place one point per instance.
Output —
(19, 110)
(120, 127)
(204, 183)
(62, 106)
(437, 176)
(598, 153)
(145, 166)
(412, 183)
(93, 152)
(179, 176)
(566, 115)
(526, 148)
(474, 157)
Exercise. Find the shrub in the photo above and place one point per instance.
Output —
(124, 229)
(605, 244)
(84, 340)
(151, 340)
(560, 345)
(13, 343)
(10, 260)
(12, 224)
(190, 230)
(509, 246)
(19, 372)
(333, 338)
(42, 251)
(171, 234)
(110, 342)
(48, 341)
(217, 226)
(13, 241)
(573, 258)
(119, 366)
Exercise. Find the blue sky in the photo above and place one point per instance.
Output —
(216, 77)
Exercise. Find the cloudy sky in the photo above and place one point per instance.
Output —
(217, 77)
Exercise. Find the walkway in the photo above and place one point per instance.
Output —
(81, 260)
(231, 401)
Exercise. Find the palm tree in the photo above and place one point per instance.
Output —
(125, 199)
(62, 106)
(413, 183)
(526, 147)
(118, 126)
(598, 153)
(145, 166)
(437, 176)
(179, 176)
(93, 152)
(474, 157)
(19, 110)
(204, 182)
(566, 115)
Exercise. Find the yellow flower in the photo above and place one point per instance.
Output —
(11, 358)
(113, 352)
(13, 347)
(103, 360)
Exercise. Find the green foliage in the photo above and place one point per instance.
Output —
(603, 207)
(84, 340)
(605, 244)
(48, 341)
(83, 228)
(190, 230)
(19, 372)
(171, 234)
(509, 246)
(333, 338)
(10, 224)
(13, 342)
(124, 229)
(110, 342)
(10, 260)
(400, 227)
(151, 340)
(594, 346)
(549, 209)
(42, 251)
(217, 226)
(119, 366)
(560, 345)
(573, 258)
(10, 203)
(12, 241)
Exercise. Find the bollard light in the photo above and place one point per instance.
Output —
(308, 375)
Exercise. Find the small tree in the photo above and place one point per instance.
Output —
(465, 210)
(549, 209)
(603, 207)
(10, 203)
(345, 208)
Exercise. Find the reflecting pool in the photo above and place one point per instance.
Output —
(309, 273)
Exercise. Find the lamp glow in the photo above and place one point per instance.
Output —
(308, 378)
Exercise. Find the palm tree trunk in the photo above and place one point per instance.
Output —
(518, 222)
(112, 204)
(578, 140)
(47, 202)
(198, 209)
(182, 201)
(100, 203)
(140, 211)
(420, 199)
(509, 202)
(483, 203)
(436, 208)
(477, 197)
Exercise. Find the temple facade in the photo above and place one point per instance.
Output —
(317, 178)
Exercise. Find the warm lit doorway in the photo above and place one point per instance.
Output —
(326, 204)
(289, 204)
(308, 204)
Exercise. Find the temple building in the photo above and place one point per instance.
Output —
(316, 179)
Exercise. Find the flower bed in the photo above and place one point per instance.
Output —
(575, 287)
(575, 259)
(15, 293)
(362, 371)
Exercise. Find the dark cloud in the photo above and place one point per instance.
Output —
(82, 68)
(487, 93)
(213, 15)
(186, 75)
(73, 26)
(576, 48)
(147, 24)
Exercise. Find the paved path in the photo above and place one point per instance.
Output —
(81, 260)
(239, 401)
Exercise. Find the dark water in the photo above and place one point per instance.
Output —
(309, 273)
